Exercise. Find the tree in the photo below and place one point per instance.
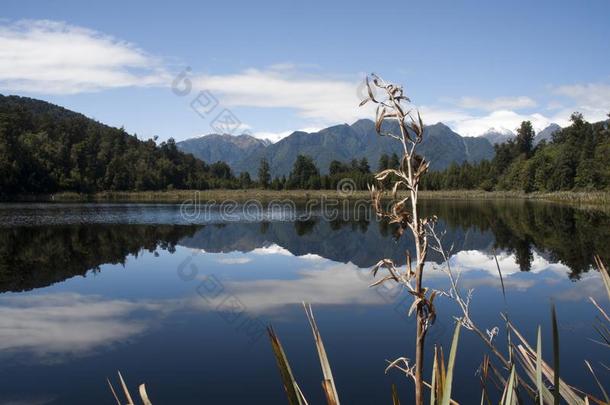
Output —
(264, 173)
(302, 172)
(525, 138)
(244, 180)
(363, 166)
(222, 170)
(394, 161)
(336, 167)
(45, 149)
(384, 161)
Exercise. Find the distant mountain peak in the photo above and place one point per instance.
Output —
(499, 130)
(440, 125)
(546, 134)
(226, 147)
(498, 135)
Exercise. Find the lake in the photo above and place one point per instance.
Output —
(181, 303)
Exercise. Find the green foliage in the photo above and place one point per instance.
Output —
(525, 138)
(264, 173)
(384, 162)
(577, 158)
(304, 174)
(45, 148)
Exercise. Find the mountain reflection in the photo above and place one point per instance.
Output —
(38, 256)
(558, 233)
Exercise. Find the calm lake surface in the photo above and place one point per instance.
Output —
(181, 304)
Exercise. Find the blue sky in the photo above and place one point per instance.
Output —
(282, 66)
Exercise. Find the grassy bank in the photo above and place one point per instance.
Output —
(178, 196)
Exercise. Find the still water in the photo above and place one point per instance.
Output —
(86, 290)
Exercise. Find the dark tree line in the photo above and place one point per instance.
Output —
(45, 148)
(576, 158)
(306, 175)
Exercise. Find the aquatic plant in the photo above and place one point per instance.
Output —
(394, 118)
(128, 398)
(521, 368)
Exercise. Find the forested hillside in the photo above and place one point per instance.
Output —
(45, 148)
(576, 158)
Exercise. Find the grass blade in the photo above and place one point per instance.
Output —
(295, 397)
(508, 396)
(113, 392)
(604, 272)
(601, 387)
(600, 309)
(526, 359)
(144, 395)
(501, 278)
(556, 393)
(539, 367)
(434, 382)
(329, 383)
(395, 399)
(567, 392)
(450, 365)
(125, 390)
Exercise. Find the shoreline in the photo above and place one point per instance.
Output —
(596, 198)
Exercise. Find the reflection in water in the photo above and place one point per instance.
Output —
(69, 323)
(32, 257)
(68, 333)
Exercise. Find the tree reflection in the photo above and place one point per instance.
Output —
(33, 257)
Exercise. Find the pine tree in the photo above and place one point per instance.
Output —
(264, 174)
(394, 162)
(525, 138)
(384, 161)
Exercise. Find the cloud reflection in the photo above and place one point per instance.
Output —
(70, 322)
(325, 282)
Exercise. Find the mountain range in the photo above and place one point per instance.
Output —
(441, 147)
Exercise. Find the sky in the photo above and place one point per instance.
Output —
(187, 68)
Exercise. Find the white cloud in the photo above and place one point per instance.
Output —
(592, 99)
(54, 57)
(322, 100)
(234, 260)
(276, 136)
(469, 260)
(68, 322)
(336, 284)
(51, 57)
(498, 103)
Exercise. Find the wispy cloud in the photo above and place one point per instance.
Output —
(498, 103)
(335, 284)
(54, 57)
(320, 99)
(234, 260)
(591, 99)
(69, 322)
